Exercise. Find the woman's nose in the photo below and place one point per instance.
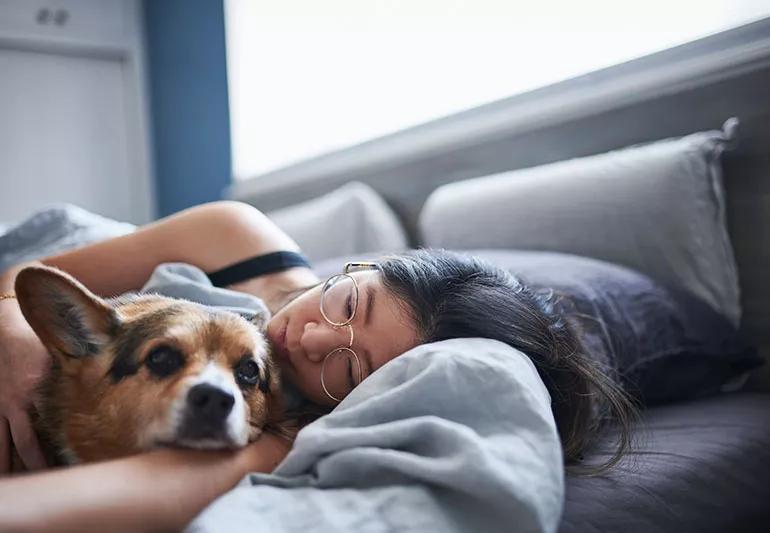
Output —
(320, 338)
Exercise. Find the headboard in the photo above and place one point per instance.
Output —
(686, 89)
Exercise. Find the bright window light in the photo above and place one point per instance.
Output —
(308, 77)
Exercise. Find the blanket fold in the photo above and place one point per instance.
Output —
(450, 436)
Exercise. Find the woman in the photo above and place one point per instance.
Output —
(425, 296)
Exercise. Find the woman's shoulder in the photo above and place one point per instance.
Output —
(269, 275)
(274, 288)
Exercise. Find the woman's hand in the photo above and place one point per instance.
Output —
(24, 361)
(161, 490)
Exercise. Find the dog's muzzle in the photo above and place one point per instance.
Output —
(206, 413)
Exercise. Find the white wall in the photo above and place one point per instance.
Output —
(73, 113)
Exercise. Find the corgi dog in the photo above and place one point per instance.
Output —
(142, 371)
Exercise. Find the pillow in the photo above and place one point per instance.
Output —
(662, 344)
(657, 208)
(351, 219)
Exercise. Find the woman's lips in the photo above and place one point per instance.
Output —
(280, 344)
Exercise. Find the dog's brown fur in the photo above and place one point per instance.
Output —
(100, 400)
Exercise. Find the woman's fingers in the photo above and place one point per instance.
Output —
(25, 440)
(5, 446)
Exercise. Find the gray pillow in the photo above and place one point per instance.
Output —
(349, 220)
(657, 208)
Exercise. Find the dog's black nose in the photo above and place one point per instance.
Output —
(208, 404)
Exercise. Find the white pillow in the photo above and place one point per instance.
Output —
(658, 208)
(353, 219)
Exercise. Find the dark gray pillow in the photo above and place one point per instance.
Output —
(663, 344)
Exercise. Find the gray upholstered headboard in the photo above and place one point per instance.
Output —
(690, 88)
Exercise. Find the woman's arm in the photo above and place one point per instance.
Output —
(160, 490)
(209, 236)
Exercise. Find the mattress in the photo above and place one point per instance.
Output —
(699, 466)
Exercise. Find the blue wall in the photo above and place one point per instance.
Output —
(187, 67)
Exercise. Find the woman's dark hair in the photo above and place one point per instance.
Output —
(451, 295)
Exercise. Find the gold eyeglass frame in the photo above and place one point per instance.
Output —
(352, 266)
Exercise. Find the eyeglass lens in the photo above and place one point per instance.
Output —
(341, 373)
(339, 299)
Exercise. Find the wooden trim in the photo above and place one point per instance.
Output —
(143, 205)
(112, 50)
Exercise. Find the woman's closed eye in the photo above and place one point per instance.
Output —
(351, 380)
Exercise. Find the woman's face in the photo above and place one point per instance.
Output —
(382, 330)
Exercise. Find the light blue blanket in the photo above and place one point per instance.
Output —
(451, 436)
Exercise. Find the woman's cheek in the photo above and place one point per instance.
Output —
(303, 379)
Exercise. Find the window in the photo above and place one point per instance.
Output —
(309, 77)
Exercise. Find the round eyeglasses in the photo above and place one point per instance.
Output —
(339, 303)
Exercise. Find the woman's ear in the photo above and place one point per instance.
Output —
(71, 321)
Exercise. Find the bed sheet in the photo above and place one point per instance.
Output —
(700, 467)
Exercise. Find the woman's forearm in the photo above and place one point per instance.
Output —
(159, 490)
(209, 236)
(10, 313)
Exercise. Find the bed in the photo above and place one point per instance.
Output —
(701, 465)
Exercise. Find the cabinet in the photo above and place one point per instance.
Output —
(73, 114)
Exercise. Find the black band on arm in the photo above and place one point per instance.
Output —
(257, 266)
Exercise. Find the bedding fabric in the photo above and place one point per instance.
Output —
(697, 467)
(663, 343)
(351, 219)
(658, 208)
(53, 230)
(417, 447)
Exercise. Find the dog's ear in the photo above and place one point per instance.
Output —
(260, 320)
(69, 319)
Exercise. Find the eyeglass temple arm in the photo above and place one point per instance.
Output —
(359, 265)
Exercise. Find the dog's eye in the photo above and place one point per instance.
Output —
(164, 361)
(247, 372)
